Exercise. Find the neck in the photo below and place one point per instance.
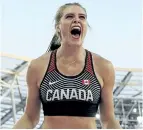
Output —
(71, 53)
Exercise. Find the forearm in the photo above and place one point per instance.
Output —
(111, 124)
(24, 123)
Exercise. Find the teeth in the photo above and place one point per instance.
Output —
(76, 28)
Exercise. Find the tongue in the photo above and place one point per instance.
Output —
(76, 36)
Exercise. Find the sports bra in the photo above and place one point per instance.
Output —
(63, 95)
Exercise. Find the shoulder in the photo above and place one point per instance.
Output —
(37, 63)
(105, 67)
(44, 57)
(39, 60)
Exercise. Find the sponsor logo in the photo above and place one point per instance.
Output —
(50, 83)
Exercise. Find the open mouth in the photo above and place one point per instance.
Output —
(75, 32)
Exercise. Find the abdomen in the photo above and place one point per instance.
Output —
(68, 122)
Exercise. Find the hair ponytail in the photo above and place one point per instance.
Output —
(55, 43)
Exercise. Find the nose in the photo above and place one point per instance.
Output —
(76, 20)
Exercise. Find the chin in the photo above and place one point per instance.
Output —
(76, 43)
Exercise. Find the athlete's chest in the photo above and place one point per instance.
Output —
(71, 68)
(57, 87)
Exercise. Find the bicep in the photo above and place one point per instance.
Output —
(33, 101)
(107, 104)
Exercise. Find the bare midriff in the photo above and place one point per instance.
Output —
(68, 122)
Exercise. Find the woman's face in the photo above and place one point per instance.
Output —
(73, 25)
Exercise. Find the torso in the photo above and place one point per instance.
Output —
(68, 121)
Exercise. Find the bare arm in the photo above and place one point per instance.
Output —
(32, 111)
(106, 107)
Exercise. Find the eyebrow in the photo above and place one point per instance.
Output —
(78, 14)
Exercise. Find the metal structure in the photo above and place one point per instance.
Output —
(128, 89)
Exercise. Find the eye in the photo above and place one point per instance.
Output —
(69, 17)
(82, 17)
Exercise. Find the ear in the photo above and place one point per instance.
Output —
(57, 29)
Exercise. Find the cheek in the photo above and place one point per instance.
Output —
(85, 29)
(64, 29)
